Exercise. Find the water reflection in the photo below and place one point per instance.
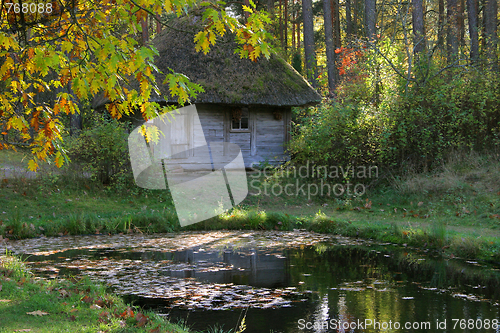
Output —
(316, 285)
(249, 267)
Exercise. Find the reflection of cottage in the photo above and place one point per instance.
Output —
(242, 267)
(247, 103)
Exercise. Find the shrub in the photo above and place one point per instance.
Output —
(413, 126)
(103, 151)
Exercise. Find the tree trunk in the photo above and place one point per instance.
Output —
(461, 23)
(281, 22)
(452, 31)
(310, 57)
(336, 23)
(330, 52)
(490, 32)
(473, 30)
(294, 17)
(370, 19)
(285, 20)
(348, 18)
(298, 35)
(355, 18)
(158, 25)
(337, 42)
(270, 6)
(419, 42)
(245, 13)
(145, 32)
(75, 127)
(441, 24)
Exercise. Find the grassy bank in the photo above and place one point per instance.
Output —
(73, 305)
(455, 210)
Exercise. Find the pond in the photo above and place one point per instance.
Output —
(280, 281)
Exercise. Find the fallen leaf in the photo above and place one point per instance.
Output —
(95, 306)
(127, 313)
(72, 318)
(104, 314)
(63, 293)
(37, 313)
(100, 303)
(0, 287)
(23, 330)
(141, 320)
(87, 299)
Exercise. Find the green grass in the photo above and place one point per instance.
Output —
(13, 158)
(73, 305)
(455, 209)
(64, 202)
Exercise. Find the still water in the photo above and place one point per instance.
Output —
(281, 281)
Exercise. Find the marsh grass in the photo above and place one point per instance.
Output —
(438, 234)
(466, 247)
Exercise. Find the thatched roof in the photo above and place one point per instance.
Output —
(225, 77)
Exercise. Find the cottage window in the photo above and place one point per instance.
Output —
(239, 120)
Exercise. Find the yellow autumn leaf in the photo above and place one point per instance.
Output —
(59, 159)
(8, 63)
(66, 46)
(33, 166)
(167, 5)
(198, 40)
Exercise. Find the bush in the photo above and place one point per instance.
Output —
(449, 113)
(103, 151)
(331, 134)
(413, 126)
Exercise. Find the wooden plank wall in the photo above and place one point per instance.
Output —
(264, 140)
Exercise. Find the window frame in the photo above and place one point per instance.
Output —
(240, 130)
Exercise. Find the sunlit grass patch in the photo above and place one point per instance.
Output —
(13, 266)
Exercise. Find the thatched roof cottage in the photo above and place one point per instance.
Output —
(247, 103)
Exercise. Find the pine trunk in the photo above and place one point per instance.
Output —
(473, 30)
(490, 32)
(419, 42)
(452, 31)
(310, 57)
(441, 24)
(330, 52)
(348, 19)
(285, 20)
